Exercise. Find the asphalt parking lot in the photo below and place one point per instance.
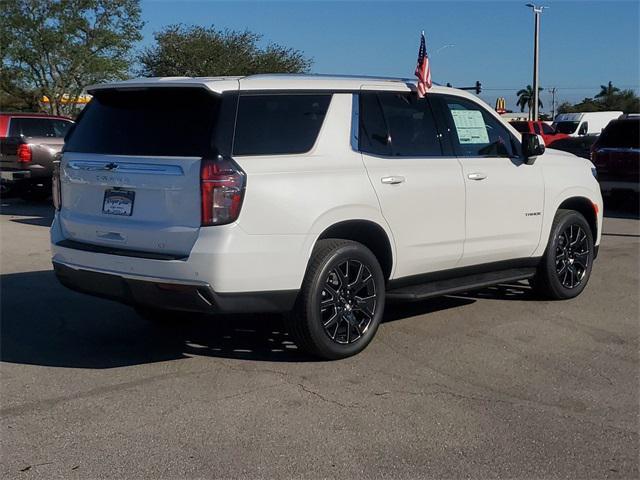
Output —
(488, 384)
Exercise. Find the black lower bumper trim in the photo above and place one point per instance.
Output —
(192, 298)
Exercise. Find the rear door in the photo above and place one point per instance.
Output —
(504, 196)
(130, 174)
(419, 185)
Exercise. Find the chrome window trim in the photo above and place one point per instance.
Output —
(125, 167)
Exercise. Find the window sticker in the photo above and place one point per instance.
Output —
(470, 126)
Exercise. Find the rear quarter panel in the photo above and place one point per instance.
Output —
(299, 196)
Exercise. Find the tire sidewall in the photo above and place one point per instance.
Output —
(328, 347)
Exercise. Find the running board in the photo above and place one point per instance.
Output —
(457, 285)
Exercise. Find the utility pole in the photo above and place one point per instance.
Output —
(536, 41)
(553, 102)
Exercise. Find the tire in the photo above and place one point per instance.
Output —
(566, 265)
(341, 302)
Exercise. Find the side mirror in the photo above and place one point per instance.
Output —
(532, 147)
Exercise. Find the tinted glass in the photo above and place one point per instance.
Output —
(566, 127)
(522, 127)
(477, 133)
(546, 129)
(412, 127)
(279, 123)
(373, 136)
(38, 127)
(621, 134)
(155, 121)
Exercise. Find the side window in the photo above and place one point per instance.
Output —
(477, 133)
(536, 128)
(412, 128)
(277, 124)
(373, 135)
(584, 128)
(547, 130)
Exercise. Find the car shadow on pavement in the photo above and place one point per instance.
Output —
(40, 213)
(43, 323)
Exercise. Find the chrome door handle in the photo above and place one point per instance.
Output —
(393, 180)
(477, 176)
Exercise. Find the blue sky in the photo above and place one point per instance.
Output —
(583, 43)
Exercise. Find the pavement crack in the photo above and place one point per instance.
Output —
(325, 399)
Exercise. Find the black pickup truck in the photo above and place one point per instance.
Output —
(29, 143)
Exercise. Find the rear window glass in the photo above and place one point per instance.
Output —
(155, 121)
(38, 127)
(621, 134)
(279, 123)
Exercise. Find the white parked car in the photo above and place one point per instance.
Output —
(581, 124)
(317, 196)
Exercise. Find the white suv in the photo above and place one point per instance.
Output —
(318, 196)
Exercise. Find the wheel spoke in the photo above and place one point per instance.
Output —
(334, 318)
(348, 301)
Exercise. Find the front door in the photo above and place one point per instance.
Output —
(504, 196)
(419, 185)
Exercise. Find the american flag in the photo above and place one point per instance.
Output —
(423, 72)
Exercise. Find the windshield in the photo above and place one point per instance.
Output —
(566, 127)
(621, 134)
(38, 127)
(154, 121)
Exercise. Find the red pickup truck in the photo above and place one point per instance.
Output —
(29, 143)
(548, 133)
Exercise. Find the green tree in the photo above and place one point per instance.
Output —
(206, 51)
(608, 95)
(525, 98)
(55, 48)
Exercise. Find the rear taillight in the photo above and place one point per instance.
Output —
(56, 187)
(24, 153)
(222, 184)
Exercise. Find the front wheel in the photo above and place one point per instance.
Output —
(566, 265)
(341, 302)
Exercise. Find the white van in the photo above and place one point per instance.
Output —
(580, 124)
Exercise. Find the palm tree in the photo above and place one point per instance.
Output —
(609, 95)
(525, 98)
(607, 91)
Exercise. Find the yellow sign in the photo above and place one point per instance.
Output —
(501, 105)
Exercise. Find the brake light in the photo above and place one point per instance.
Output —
(222, 184)
(24, 153)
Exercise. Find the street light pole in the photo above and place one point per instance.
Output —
(553, 102)
(536, 41)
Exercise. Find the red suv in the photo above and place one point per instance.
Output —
(548, 133)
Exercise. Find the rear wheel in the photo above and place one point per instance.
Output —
(341, 302)
(566, 264)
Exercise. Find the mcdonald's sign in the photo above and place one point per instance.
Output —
(501, 105)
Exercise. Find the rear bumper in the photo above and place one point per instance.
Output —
(170, 294)
(13, 176)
